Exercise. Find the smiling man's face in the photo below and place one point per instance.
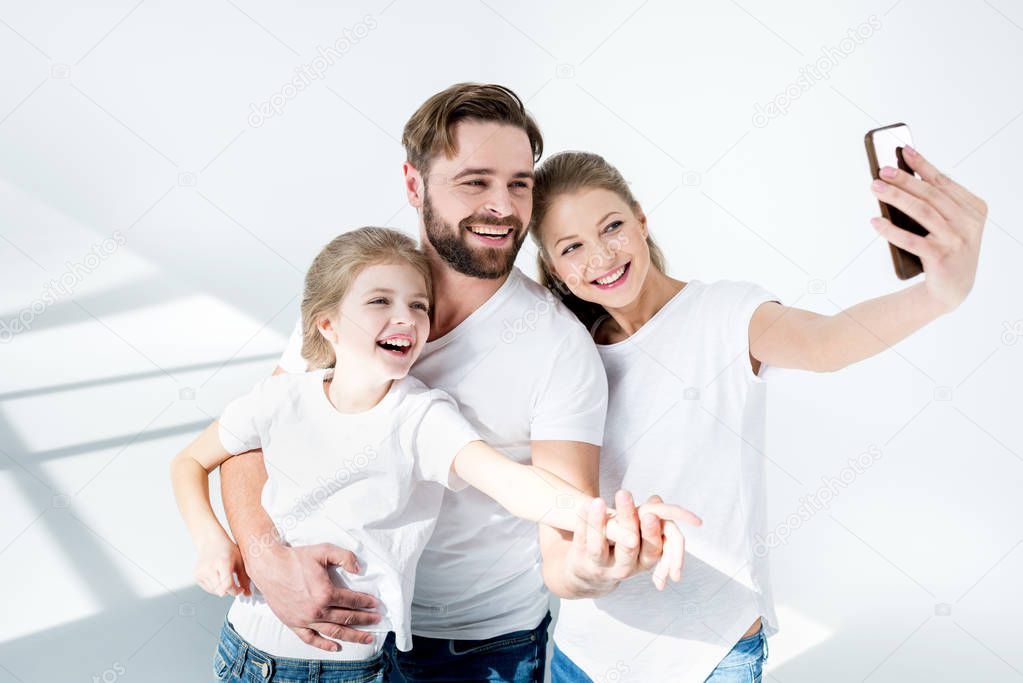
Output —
(477, 204)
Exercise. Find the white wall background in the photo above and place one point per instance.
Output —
(132, 123)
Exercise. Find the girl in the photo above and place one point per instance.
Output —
(683, 362)
(352, 450)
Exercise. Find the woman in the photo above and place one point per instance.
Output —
(686, 410)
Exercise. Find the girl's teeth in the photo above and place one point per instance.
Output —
(401, 343)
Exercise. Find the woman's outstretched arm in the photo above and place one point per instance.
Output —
(794, 338)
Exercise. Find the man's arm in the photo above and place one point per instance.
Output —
(294, 581)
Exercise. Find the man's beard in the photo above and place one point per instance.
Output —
(452, 245)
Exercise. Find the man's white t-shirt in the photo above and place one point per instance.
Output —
(371, 482)
(686, 421)
(522, 368)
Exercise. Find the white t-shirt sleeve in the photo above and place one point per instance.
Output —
(572, 404)
(291, 360)
(245, 421)
(441, 433)
(744, 298)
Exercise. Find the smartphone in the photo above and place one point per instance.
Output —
(884, 148)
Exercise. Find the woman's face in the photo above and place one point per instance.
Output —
(596, 244)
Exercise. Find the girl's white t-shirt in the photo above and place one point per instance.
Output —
(371, 482)
(522, 369)
(685, 420)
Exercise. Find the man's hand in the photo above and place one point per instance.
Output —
(297, 587)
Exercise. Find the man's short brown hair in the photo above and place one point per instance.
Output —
(430, 130)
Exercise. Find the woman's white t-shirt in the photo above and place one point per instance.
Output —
(685, 420)
(371, 482)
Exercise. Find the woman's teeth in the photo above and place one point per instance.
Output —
(613, 277)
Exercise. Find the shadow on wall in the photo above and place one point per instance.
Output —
(164, 639)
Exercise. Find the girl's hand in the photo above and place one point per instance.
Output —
(952, 214)
(218, 564)
(672, 558)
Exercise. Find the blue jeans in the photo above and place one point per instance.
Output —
(744, 664)
(238, 662)
(516, 657)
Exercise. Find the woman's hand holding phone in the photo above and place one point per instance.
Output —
(953, 216)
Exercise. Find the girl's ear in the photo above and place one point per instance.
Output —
(327, 330)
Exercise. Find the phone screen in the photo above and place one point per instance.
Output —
(887, 146)
(888, 143)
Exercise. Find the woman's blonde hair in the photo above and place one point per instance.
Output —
(334, 270)
(565, 173)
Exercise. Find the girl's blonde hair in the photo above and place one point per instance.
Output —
(565, 173)
(334, 270)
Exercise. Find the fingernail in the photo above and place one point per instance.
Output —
(888, 172)
(876, 222)
(908, 151)
(878, 185)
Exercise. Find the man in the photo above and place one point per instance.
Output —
(528, 377)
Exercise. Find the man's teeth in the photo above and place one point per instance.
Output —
(494, 230)
(613, 277)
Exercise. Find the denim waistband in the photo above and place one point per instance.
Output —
(241, 658)
(749, 649)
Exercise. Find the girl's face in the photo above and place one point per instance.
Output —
(382, 323)
(596, 244)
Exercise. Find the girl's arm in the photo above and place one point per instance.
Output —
(219, 559)
(794, 338)
(536, 494)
